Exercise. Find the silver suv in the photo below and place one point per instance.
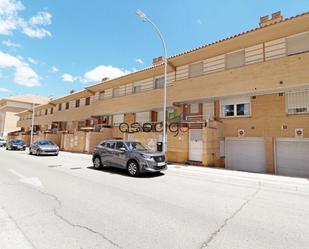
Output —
(135, 157)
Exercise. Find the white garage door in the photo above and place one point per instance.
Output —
(246, 154)
(292, 157)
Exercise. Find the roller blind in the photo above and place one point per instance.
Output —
(298, 44)
(142, 117)
(236, 59)
(298, 102)
(196, 69)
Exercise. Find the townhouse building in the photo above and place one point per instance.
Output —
(10, 106)
(241, 103)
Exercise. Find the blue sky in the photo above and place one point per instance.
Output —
(50, 47)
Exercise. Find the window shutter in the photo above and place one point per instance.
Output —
(236, 59)
(298, 102)
(142, 117)
(196, 69)
(298, 44)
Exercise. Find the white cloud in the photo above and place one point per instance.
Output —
(53, 69)
(33, 61)
(24, 74)
(11, 44)
(96, 74)
(4, 90)
(11, 21)
(35, 32)
(140, 61)
(68, 78)
(42, 18)
(102, 71)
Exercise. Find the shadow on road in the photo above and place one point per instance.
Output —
(122, 172)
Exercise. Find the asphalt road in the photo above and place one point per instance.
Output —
(62, 202)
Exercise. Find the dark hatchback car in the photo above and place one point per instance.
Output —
(16, 144)
(135, 157)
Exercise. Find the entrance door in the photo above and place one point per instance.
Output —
(195, 145)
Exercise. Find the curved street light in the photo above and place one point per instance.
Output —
(146, 19)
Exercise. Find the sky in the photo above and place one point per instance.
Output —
(50, 47)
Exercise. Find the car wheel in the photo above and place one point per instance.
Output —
(38, 152)
(97, 164)
(30, 152)
(7, 148)
(133, 168)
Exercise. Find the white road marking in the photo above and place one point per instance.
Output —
(16, 173)
(34, 181)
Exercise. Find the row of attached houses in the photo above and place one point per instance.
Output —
(241, 103)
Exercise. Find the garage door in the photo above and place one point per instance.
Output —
(246, 154)
(292, 157)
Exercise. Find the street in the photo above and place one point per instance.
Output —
(62, 202)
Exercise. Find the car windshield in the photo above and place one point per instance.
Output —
(1, 139)
(46, 142)
(18, 142)
(136, 146)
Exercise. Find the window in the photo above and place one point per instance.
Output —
(298, 102)
(116, 92)
(235, 107)
(229, 110)
(159, 82)
(298, 44)
(194, 108)
(120, 145)
(118, 119)
(46, 111)
(59, 107)
(77, 103)
(236, 59)
(136, 89)
(101, 95)
(51, 110)
(87, 102)
(67, 105)
(110, 145)
(196, 69)
(142, 117)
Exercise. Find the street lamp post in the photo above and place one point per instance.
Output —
(32, 124)
(146, 19)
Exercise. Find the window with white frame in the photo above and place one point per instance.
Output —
(196, 69)
(235, 59)
(298, 102)
(235, 107)
(118, 119)
(159, 82)
(298, 43)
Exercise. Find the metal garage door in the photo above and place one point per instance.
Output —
(246, 154)
(292, 157)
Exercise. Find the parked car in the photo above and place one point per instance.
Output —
(44, 147)
(16, 144)
(135, 157)
(2, 142)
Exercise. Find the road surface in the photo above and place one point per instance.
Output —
(63, 203)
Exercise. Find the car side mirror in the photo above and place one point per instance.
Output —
(122, 149)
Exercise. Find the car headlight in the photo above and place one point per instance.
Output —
(147, 157)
